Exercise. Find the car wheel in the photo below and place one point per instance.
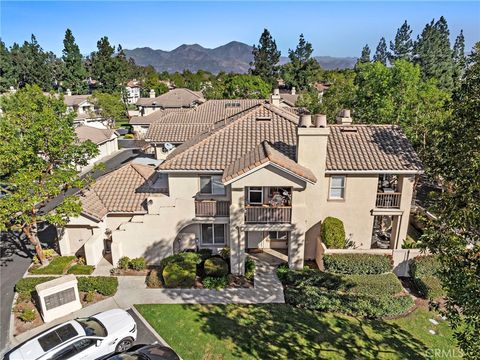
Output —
(124, 345)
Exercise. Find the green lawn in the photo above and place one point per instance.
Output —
(219, 332)
(57, 266)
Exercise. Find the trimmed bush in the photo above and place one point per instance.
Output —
(57, 266)
(422, 266)
(205, 253)
(124, 263)
(26, 287)
(104, 285)
(429, 287)
(333, 233)
(314, 298)
(27, 315)
(216, 283)
(153, 281)
(138, 264)
(78, 269)
(359, 264)
(185, 257)
(89, 296)
(225, 253)
(249, 268)
(179, 275)
(216, 267)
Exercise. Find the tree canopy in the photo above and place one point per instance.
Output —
(265, 58)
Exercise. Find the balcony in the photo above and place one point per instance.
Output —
(268, 214)
(211, 208)
(388, 200)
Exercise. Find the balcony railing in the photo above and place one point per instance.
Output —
(388, 200)
(268, 215)
(212, 208)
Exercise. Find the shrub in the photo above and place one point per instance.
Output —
(185, 257)
(216, 267)
(104, 285)
(27, 315)
(429, 287)
(357, 263)
(128, 136)
(124, 262)
(333, 233)
(249, 268)
(178, 275)
(225, 253)
(48, 253)
(153, 281)
(89, 296)
(81, 269)
(381, 284)
(57, 266)
(314, 298)
(216, 283)
(205, 253)
(26, 287)
(138, 264)
(422, 266)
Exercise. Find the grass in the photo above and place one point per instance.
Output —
(78, 269)
(278, 331)
(57, 266)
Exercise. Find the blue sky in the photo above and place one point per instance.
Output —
(334, 28)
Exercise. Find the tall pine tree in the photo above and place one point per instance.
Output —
(265, 58)
(381, 54)
(74, 74)
(402, 47)
(459, 59)
(365, 56)
(7, 75)
(432, 52)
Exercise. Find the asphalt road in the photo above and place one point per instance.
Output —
(144, 335)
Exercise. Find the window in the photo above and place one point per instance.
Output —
(255, 195)
(60, 298)
(337, 187)
(65, 353)
(278, 235)
(83, 344)
(56, 337)
(213, 234)
(212, 185)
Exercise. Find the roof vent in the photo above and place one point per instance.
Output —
(232, 105)
(349, 129)
(264, 118)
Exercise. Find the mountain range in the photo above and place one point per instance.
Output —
(232, 57)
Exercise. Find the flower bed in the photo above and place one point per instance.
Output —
(199, 270)
(91, 290)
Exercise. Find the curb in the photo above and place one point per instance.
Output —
(151, 329)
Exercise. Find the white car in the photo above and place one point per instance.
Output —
(84, 338)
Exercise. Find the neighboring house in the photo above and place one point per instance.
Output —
(132, 91)
(262, 178)
(105, 139)
(85, 110)
(176, 98)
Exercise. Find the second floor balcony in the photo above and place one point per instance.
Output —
(388, 200)
(268, 214)
(212, 208)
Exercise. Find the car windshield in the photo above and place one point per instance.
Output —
(57, 336)
(92, 327)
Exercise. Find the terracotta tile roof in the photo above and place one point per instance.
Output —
(154, 116)
(175, 98)
(261, 155)
(180, 126)
(371, 147)
(96, 135)
(124, 190)
(289, 99)
(75, 100)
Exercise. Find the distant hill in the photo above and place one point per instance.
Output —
(232, 57)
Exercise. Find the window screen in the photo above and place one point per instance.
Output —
(337, 187)
(60, 298)
(219, 234)
(207, 233)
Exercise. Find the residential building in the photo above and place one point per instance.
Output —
(105, 139)
(86, 112)
(261, 178)
(176, 98)
(132, 91)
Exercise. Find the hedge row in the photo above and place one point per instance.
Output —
(26, 286)
(57, 266)
(423, 270)
(429, 287)
(314, 298)
(81, 269)
(359, 264)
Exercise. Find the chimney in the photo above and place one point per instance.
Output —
(320, 121)
(69, 92)
(275, 98)
(293, 92)
(305, 121)
(152, 93)
(344, 118)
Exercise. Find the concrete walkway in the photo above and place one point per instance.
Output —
(132, 290)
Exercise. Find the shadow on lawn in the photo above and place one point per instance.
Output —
(284, 332)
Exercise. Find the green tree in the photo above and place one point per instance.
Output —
(402, 47)
(111, 107)
(74, 74)
(433, 53)
(455, 235)
(365, 56)
(459, 58)
(7, 71)
(302, 69)
(381, 53)
(39, 155)
(265, 58)
(241, 86)
(340, 94)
